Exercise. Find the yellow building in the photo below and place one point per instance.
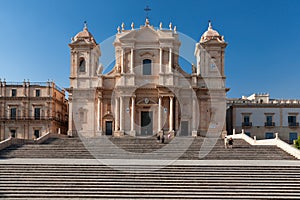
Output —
(31, 109)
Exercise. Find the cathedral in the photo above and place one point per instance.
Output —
(147, 92)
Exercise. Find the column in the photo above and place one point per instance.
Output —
(101, 114)
(117, 114)
(70, 123)
(159, 114)
(160, 59)
(132, 113)
(131, 63)
(170, 60)
(122, 61)
(121, 114)
(98, 113)
(194, 115)
(171, 114)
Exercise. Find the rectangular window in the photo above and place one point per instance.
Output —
(13, 92)
(246, 120)
(37, 93)
(269, 135)
(293, 136)
(147, 67)
(292, 120)
(37, 113)
(13, 113)
(269, 121)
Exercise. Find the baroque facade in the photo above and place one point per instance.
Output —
(262, 117)
(29, 110)
(147, 92)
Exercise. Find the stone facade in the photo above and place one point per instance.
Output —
(29, 109)
(262, 117)
(147, 92)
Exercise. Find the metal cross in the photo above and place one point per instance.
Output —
(147, 9)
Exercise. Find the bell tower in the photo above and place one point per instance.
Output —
(83, 96)
(85, 53)
(210, 53)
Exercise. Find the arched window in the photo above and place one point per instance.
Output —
(82, 65)
(147, 70)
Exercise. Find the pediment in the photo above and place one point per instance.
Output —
(80, 43)
(145, 34)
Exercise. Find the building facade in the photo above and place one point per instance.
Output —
(146, 92)
(262, 117)
(31, 109)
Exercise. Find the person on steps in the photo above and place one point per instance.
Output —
(226, 142)
(158, 137)
(230, 142)
(162, 139)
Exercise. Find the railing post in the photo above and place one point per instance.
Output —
(233, 131)
(243, 131)
(276, 136)
(254, 138)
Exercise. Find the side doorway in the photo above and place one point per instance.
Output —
(108, 128)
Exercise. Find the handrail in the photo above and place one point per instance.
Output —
(274, 142)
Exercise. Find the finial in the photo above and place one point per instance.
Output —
(170, 25)
(160, 25)
(175, 29)
(209, 24)
(85, 25)
(123, 26)
(119, 29)
(132, 26)
(147, 22)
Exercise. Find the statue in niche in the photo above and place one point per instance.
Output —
(194, 70)
(100, 69)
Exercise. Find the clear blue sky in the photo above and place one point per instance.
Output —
(263, 37)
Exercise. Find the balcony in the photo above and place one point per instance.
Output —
(246, 124)
(33, 118)
(293, 124)
(269, 124)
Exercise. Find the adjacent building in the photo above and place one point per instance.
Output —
(262, 117)
(147, 92)
(29, 110)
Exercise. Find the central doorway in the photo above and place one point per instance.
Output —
(146, 123)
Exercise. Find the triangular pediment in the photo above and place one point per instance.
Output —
(145, 34)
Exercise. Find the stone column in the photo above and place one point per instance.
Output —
(132, 131)
(122, 61)
(121, 114)
(117, 114)
(159, 114)
(70, 123)
(98, 114)
(194, 131)
(131, 63)
(170, 60)
(171, 114)
(160, 59)
(99, 109)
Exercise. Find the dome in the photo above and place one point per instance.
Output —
(210, 34)
(85, 35)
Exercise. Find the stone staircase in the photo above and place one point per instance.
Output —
(69, 181)
(144, 148)
(64, 168)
